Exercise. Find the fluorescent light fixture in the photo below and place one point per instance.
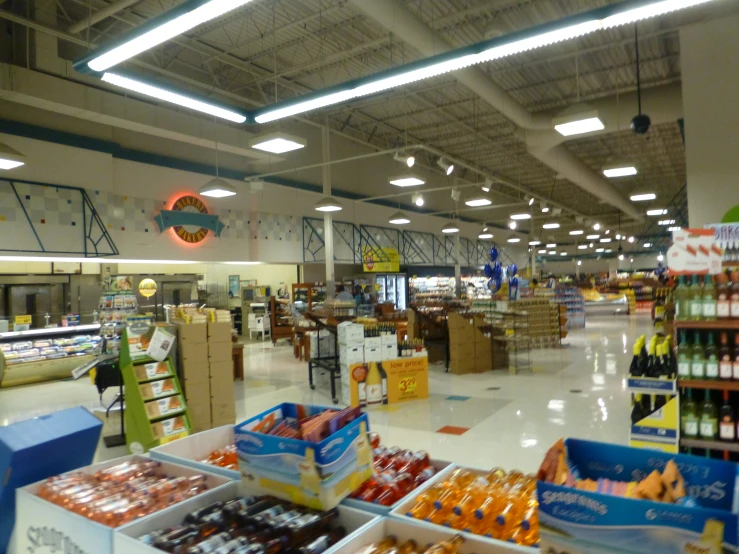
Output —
(592, 237)
(512, 224)
(485, 235)
(605, 239)
(521, 216)
(674, 228)
(418, 199)
(160, 93)
(550, 226)
(531, 201)
(599, 249)
(660, 211)
(551, 245)
(545, 210)
(609, 250)
(328, 204)
(541, 251)
(514, 239)
(647, 244)
(450, 228)
(619, 171)
(643, 197)
(613, 15)
(577, 232)
(552, 252)
(10, 158)
(578, 124)
(409, 180)
(277, 143)
(399, 218)
(563, 253)
(582, 247)
(534, 242)
(446, 166)
(217, 188)
(479, 201)
(161, 29)
(666, 222)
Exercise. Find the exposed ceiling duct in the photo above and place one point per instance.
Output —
(404, 24)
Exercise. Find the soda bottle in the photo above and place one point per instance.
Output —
(424, 475)
(323, 542)
(374, 439)
(209, 544)
(232, 546)
(196, 515)
(299, 530)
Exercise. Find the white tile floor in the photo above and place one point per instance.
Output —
(513, 419)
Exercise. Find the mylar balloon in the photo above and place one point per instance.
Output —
(488, 271)
(493, 254)
(512, 270)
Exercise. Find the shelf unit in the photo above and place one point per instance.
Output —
(714, 325)
(720, 446)
(726, 385)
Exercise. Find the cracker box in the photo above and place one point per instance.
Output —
(315, 474)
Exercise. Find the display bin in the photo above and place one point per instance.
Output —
(41, 524)
(579, 522)
(401, 510)
(189, 450)
(379, 509)
(318, 475)
(423, 534)
(126, 539)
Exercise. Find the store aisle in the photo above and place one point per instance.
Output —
(478, 419)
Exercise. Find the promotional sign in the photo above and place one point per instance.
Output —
(694, 251)
(388, 382)
(147, 288)
(380, 260)
(190, 220)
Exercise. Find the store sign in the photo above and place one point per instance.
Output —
(726, 234)
(399, 379)
(147, 288)
(189, 219)
(694, 251)
(380, 260)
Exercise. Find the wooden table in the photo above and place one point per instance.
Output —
(237, 355)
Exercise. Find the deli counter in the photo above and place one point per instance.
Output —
(45, 354)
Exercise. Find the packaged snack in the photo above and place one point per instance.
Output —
(30, 353)
(23, 345)
(41, 343)
(164, 406)
(168, 427)
(152, 370)
(157, 389)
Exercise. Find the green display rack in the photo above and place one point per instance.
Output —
(156, 412)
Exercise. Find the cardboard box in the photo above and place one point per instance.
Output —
(220, 352)
(350, 334)
(461, 367)
(126, 541)
(223, 411)
(389, 340)
(193, 353)
(219, 332)
(192, 332)
(578, 521)
(165, 406)
(159, 389)
(195, 373)
(350, 355)
(373, 342)
(221, 370)
(199, 419)
(41, 524)
(462, 351)
(72, 436)
(389, 351)
(372, 355)
(221, 390)
(318, 475)
(190, 450)
(483, 364)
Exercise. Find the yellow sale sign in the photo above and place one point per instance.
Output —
(388, 382)
(380, 260)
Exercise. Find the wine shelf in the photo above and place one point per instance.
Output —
(708, 384)
(710, 445)
(718, 325)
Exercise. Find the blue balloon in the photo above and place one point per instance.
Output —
(497, 271)
(488, 271)
(494, 285)
(493, 254)
(512, 270)
(512, 288)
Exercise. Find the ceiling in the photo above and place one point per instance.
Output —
(272, 50)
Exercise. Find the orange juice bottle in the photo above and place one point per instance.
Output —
(446, 547)
(513, 477)
(496, 474)
(529, 530)
(472, 496)
(421, 509)
(491, 504)
(510, 515)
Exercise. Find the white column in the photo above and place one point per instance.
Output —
(328, 225)
(533, 248)
(457, 267)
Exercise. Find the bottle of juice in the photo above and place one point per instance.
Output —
(698, 362)
(689, 417)
(709, 298)
(723, 296)
(709, 418)
(711, 354)
(684, 356)
(734, 309)
(727, 423)
(696, 299)
(724, 358)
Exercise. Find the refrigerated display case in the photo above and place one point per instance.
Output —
(393, 287)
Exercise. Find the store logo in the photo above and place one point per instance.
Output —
(51, 539)
(189, 219)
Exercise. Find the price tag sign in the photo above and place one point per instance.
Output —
(23, 319)
(509, 332)
(407, 385)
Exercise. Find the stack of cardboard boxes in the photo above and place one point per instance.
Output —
(470, 349)
(543, 321)
(206, 368)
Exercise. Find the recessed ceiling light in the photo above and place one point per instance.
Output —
(478, 201)
(577, 232)
(328, 204)
(621, 171)
(551, 245)
(534, 242)
(450, 228)
(514, 239)
(10, 158)
(550, 226)
(659, 211)
(217, 188)
(582, 247)
(599, 249)
(592, 237)
(577, 120)
(409, 180)
(605, 239)
(277, 143)
(643, 197)
(521, 216)
(398, 218)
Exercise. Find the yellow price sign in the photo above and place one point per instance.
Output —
(407, 385)
(23, 319)
(509, 332)
(172, 438)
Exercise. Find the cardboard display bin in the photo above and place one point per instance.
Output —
(579, 522)
(42, 524)
(188, 451)
(317, 475)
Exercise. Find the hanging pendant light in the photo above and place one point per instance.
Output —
(450, 228)
(399, 218)
(328, 204)
(217, 187)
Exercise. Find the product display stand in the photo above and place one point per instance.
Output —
(660, 430)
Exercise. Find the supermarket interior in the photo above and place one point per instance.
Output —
(369, 277)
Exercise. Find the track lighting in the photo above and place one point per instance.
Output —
(407, 160)
(488, 185)
(418, 199)
(443, 164)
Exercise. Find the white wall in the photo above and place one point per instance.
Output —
(708, 59)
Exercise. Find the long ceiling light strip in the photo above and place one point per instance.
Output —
(494, 49)
(160, 29)
(173, 97)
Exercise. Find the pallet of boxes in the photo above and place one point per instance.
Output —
(470, 345)
(206, 369)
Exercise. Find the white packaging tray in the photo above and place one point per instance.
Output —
(126, 541)
(384, 510)
(189, 450)
(43, 526)
(400, 511)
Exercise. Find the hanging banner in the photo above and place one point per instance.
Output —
(380, 260)
(694, 251)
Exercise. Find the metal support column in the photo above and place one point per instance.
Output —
(533, 248)
(328, 227)
(457, 267)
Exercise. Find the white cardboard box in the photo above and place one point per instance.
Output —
(373, 355)
(41, 524)
(389, 351)
(423, 535)
(126, 541)
(390, 340)
(373, 342)
(196, 447)
(350, 334)
(400, 510)
(349, 355)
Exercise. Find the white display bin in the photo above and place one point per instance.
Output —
(196, 447)
(423, 535)
(43, 526)
(381, 510)
(399, 512)
(126, 541)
